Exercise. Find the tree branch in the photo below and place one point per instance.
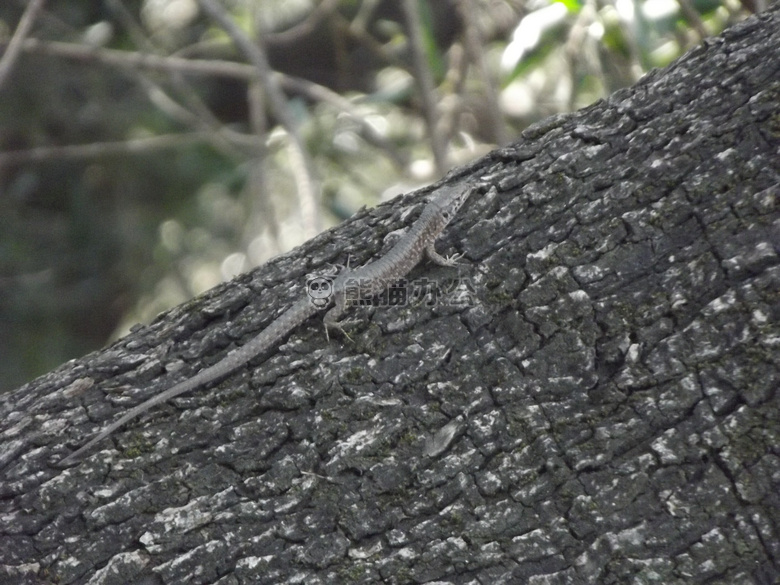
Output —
(14, 48)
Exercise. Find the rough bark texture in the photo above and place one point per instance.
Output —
(603, 409)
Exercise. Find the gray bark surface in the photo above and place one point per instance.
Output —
(602, 408)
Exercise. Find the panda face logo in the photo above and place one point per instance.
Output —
(319, 289)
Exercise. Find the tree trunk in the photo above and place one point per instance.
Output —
(599, 404)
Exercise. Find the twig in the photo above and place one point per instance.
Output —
(263, 209)
(88, 54)
(693, 18)
(197, 115)
(11, 54)
(126, 59)
(323, 94)
(215, 67)
(425, 85)
(476, 52)
(101, 149)
(319, 12)
(299, 158)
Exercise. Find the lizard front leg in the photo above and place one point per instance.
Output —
(434, 256)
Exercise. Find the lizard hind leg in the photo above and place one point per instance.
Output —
(338, 326)
(331, 319)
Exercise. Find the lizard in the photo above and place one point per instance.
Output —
(371, 279)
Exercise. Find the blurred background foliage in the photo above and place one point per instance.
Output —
(150, 149)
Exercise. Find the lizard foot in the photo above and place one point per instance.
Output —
(452, 260)
(442, 260)
(338, 326)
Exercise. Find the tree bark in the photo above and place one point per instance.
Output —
(600, 405)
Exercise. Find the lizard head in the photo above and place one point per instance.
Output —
(451, 199)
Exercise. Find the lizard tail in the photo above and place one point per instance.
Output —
(269, 337)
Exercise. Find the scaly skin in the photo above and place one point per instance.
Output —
(376, 276)
(371, 279)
